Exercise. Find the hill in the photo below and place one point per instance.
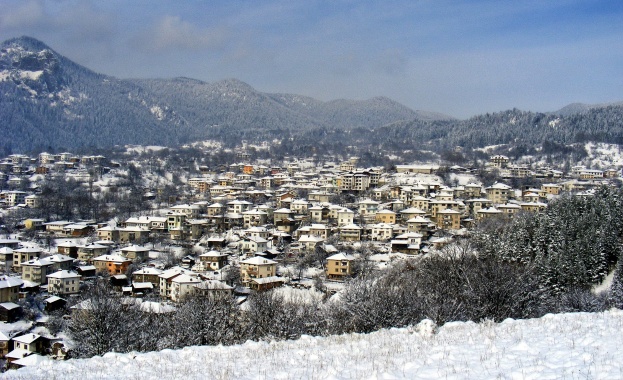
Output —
(49, 102)
(576, 345)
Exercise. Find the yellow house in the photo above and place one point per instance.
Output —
(256, 267)
(551, 188)
(385, 216)
(449, 219)
(339, 266)
(33, 224)
(499, 193)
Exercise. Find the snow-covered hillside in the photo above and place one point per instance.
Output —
(563, 346)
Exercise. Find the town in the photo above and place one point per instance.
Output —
(160, 230)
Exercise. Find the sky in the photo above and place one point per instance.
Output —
(461, 58)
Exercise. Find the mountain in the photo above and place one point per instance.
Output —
(49, 102)
(581, 108)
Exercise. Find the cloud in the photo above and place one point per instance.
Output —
(171, 32)
(26, 14)
(59, 22)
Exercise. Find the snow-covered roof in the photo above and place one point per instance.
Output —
(26, 338)
(341, 256)
(9, 282)
(64, 274)
(258, 261)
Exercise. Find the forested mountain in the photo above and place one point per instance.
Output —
(48, 102)
(576, 108)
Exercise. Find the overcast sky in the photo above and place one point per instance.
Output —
(461, 58)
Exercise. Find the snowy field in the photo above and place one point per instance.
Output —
(564, 346)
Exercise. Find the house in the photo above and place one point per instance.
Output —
(340, 266)
(133, 234)
(108, 233)
(368, 207)
(6, 256)
(499, 193)
(54, 303)
(27, 361)
(63, 282)
(533, 206)
(318, 214)
(299, 206)
(68, 248)
(166, 280)
(551, 188)
(408, 243)
(449, 219)
(57, 227)
(350, 232)
(183, 286)
(34, 224)
(147, 274)
(476, 204)
(266, 283)
(499, 161)
(10, 312)
(153, 223)
(256, 267)
(487, 213)
(6, 344)
(142, 288)
(88, 252)
(213, 260)
(24, 254)
(9, 288)
(381, 232)
(36, 270)
(135, 252)
(439, 205)
(253, 218)
(86, 271)
(32, 343)
(252, 245)
(214, 289)
(113, 264)
(509, 209)
(344, 217)
(9, 243)
(385, 216)
(410, 213)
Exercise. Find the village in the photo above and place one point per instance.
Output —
(235, 229)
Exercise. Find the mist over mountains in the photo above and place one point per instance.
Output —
(48, 102)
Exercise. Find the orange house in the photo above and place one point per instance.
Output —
(247, 169)
(113, 264)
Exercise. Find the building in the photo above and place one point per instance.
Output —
(9, 288)
(256, 267)
(499, 193)
(340, 266)
(63, 282)
(113, 264)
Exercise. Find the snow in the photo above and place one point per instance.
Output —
(158, 112)
(563, 346)
(605, 156)
(22, 74)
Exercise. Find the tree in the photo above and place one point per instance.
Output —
(99, 323)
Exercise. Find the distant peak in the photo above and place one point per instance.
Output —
(233, 82)
(26, 42)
